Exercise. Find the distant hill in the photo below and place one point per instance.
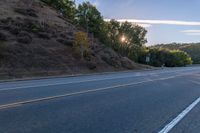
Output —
(193, 49)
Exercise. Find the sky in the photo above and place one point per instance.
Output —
(166, 21)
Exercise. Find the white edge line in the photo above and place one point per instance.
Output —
(196, 82)
(54, 84)
(76, 93)
(175, 121)
(46, 85)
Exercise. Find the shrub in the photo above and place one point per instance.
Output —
(81, 43)
(169, 58)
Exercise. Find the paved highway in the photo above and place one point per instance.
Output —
(157, 101)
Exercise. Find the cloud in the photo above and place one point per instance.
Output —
(144, 25)
(159, 22)
(191, 32)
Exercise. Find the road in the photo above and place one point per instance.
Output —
(157, 101)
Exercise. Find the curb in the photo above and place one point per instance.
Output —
(74, 75)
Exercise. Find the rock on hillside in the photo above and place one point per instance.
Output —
(36, 40)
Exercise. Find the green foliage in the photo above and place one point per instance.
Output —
(128, 39)
(181, 58)
(138, 54)
(135, 35)
(66, 7)
(169, 58)
(90, 18)
(125, 38)
(109, 33)
(113, 34)
(193, 49)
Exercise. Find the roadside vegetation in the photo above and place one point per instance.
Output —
(125, 38)
(160, 57)
(193, 49)
(81, 44)
(53, 37)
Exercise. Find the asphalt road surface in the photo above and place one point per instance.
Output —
(157, 101)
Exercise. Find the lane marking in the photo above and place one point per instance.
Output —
(195, 82)
(11, 105)
(175, 121)
(54, 84)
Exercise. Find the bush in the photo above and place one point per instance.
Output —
(180, 58)
(138, 53)
(81, 43)
(169, 58)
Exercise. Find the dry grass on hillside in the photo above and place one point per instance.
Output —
(35, 40)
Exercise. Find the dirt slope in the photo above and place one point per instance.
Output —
(35, 41)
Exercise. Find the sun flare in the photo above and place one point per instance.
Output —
(123, 38)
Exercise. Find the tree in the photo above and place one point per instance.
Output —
(169, 58)
(66, 7)
(126, 38)
(81, 43)
(135, 35)
(90, 18)
(113, 34)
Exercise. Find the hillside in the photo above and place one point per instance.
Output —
(193, 49)
(36, 41)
